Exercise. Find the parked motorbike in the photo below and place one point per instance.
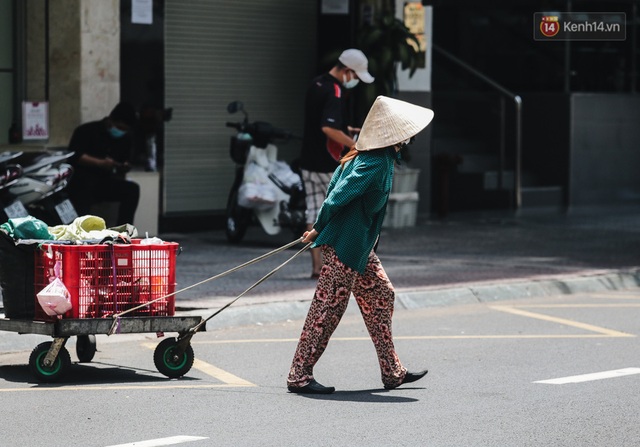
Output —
(41, 188)
(10, 172)
(264, 189)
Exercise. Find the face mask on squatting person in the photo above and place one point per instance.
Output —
(116, 133)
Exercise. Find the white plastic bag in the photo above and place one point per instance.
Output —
(254, 173)
(256, 191)
(284, 173)
(55, 299)
(256, 196)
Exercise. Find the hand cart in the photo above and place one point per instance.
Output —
(114, 288)
(50, 360)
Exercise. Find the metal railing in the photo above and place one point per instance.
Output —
(517, 100)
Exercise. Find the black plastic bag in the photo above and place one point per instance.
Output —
(17, 259)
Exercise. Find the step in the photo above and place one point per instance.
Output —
(491, 180)
(542, 197)
(482, 163)
(458, 144)
(401, 210)
(467, 193)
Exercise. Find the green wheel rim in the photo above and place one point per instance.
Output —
(169, 363)
(48, 371)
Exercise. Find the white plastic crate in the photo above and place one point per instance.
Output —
(405, 180)
(401, 210)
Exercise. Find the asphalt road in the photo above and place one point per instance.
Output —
(487, 361)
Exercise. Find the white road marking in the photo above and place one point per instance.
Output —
(173, 440)
(593, 376)
(623, 295)
(579, 306)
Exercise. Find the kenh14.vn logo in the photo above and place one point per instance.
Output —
(580, 26)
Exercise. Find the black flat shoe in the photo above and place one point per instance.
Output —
(312, 387)
(408, 378)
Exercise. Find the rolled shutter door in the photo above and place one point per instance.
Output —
(261, 52)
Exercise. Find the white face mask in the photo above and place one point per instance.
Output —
(350, 83)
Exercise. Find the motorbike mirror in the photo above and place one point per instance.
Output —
(235, 106)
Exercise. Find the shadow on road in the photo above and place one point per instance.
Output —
(96, 373)
(369, 396)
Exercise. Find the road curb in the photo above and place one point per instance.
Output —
(594, 281)
(587, 282)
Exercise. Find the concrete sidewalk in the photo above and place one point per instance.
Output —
(465, 258)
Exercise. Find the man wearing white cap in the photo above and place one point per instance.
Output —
(326, 133)
(347, 228)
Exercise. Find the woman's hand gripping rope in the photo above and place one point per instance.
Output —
(116, 317)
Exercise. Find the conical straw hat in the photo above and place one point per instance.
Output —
(391, 121)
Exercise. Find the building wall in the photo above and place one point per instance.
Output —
(65, 58)
(604, 150)
(6, 67)
(100, 57)
(82, 72)
(35, 41)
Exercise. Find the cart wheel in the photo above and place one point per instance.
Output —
(86, 347)
(169, 364)
(50, 373)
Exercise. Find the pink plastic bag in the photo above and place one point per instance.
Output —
(55, 299)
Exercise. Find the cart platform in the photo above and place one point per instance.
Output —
(67, 327)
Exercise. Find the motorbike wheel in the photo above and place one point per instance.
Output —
(237, 218)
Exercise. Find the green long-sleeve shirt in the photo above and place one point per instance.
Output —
(351, 216)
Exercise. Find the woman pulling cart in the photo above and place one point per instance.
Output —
(347, 228)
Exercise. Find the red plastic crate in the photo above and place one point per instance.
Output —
(108, 279)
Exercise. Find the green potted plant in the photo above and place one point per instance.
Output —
(388, 44)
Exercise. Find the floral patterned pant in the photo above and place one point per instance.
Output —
(375, 297)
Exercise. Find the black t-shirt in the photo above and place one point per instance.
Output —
(93, 139)
(324, 107)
